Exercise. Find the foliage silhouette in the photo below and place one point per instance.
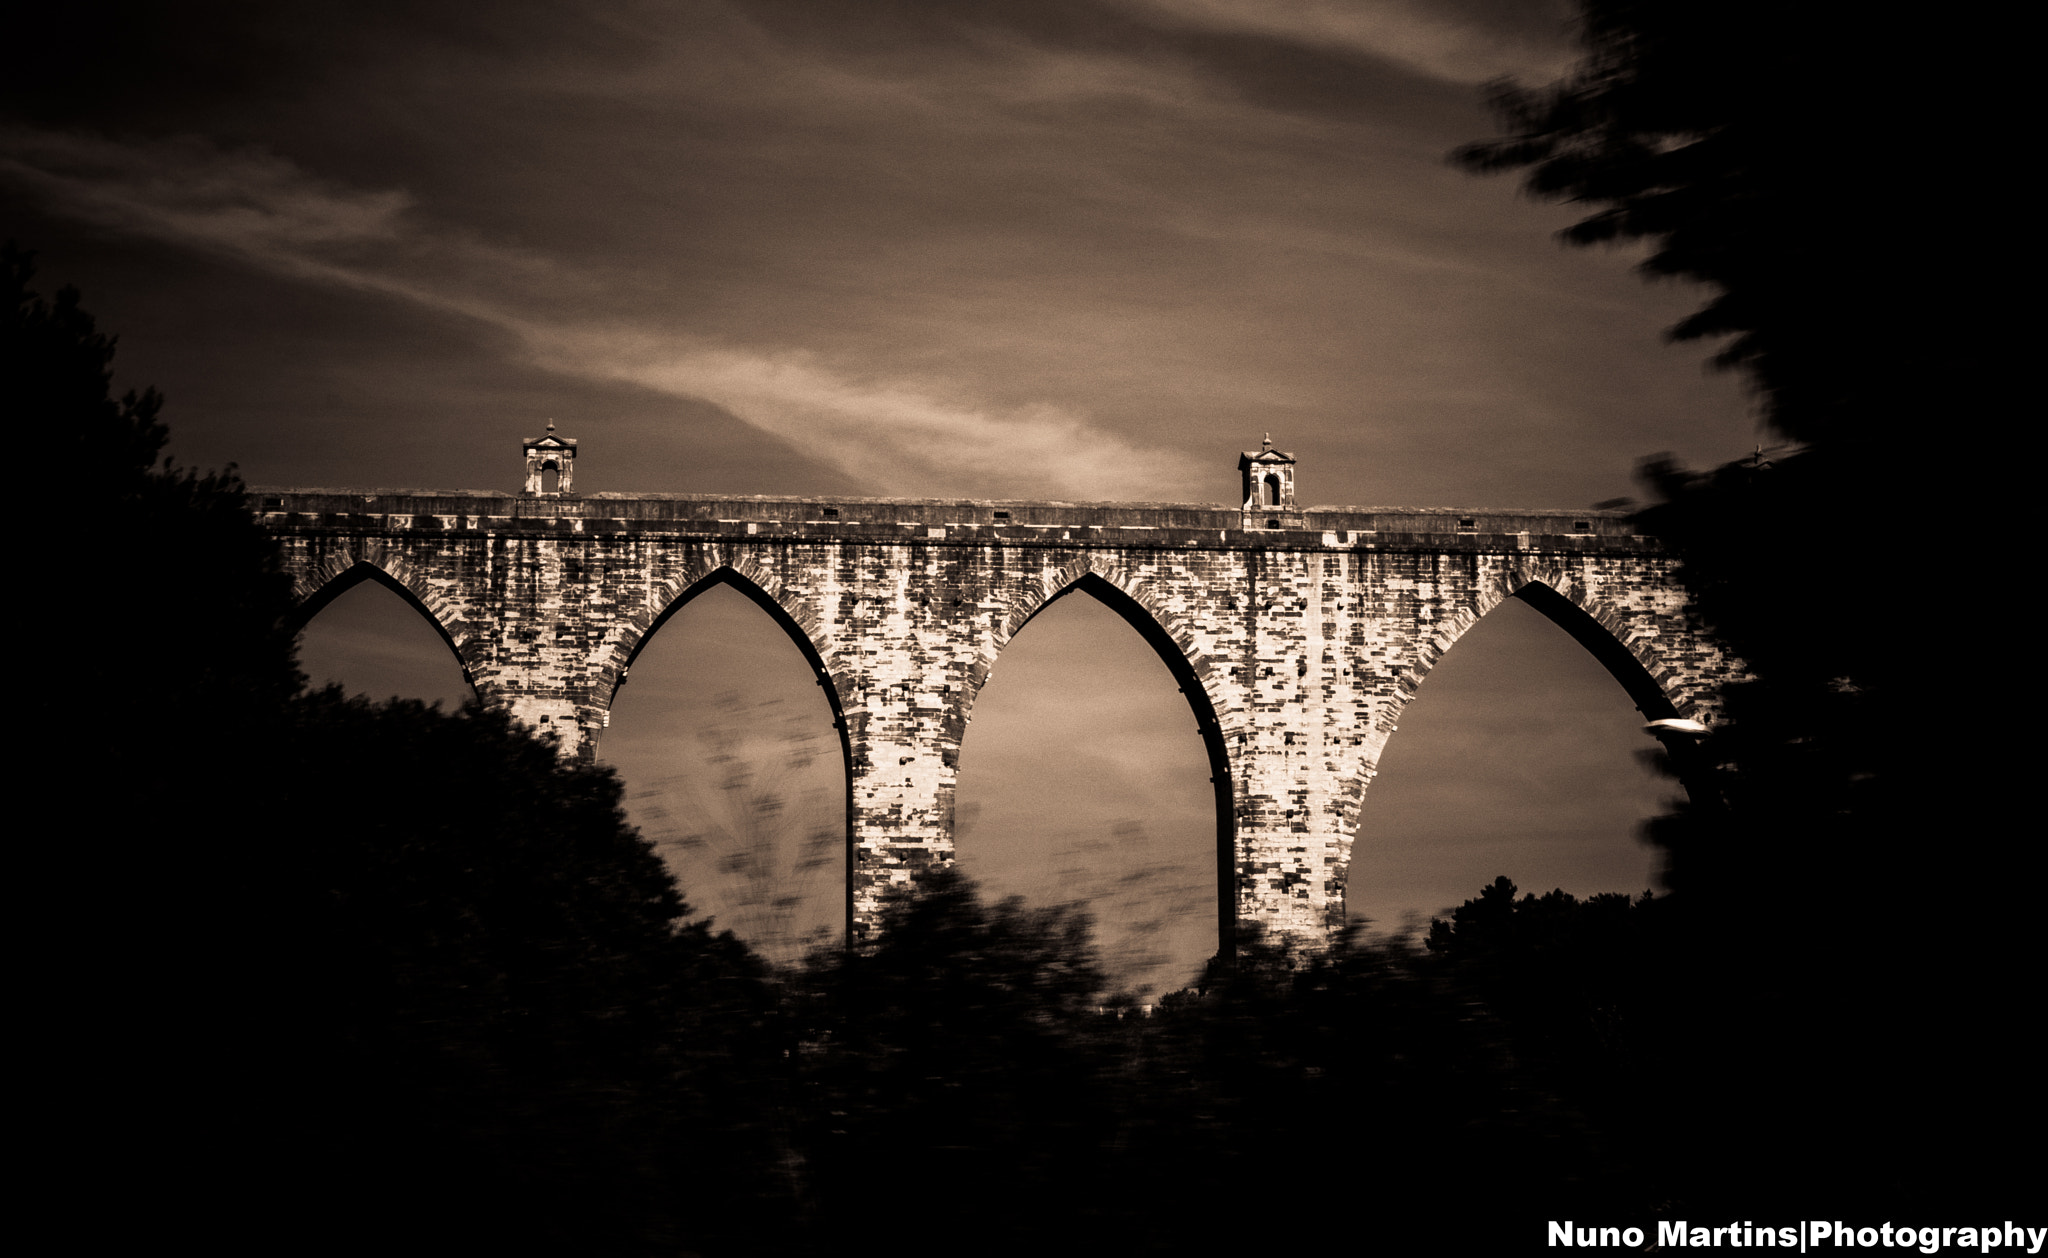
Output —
(399, 971)
(956, 1040)
(969, 1054)
(1751, 149)
(1286, 1046)
(1578, 986)
(185, 566)
(166, 657)
(535, 1050)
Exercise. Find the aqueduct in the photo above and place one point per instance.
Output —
(1296, 634)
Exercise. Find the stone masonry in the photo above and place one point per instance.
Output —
(1297, 644)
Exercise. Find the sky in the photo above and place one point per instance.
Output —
(1079, 250)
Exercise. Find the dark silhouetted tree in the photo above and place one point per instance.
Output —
(1375, 1078)
(514, 1040)
(321, 975)
(1579, 988)
(1824, 174)
(968, 1057)
(163, 670)
(1834, 183)
(950, 1058)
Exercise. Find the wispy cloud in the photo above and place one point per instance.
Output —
(246, 203)
(1426, 38)
(902, 436)
(895, 435)
(187, 189)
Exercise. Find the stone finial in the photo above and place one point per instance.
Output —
(550, 454)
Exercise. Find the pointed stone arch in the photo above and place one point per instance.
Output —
(1570, 603)
(1568, 600)
(744, 573)
(317, 585)
(793, 615)
(1174, 641)
(1169, 631)
(1627, 655)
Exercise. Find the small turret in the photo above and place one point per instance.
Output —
(550, 454)
(1268, 487)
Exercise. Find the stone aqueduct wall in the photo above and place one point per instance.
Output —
(1298, 644)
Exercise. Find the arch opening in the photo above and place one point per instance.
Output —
(367, 633)
(1620, 663)
(1079, 783)
(1518, 756)
(735, 768)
